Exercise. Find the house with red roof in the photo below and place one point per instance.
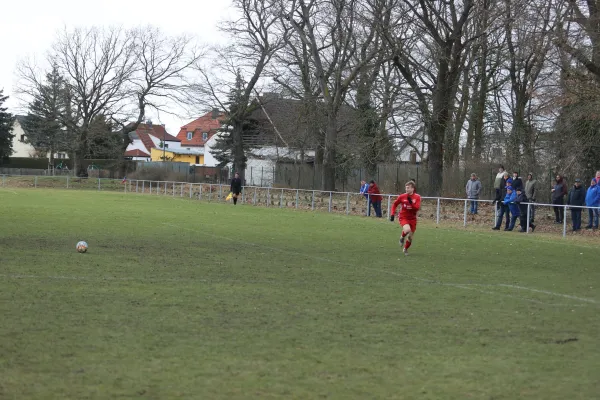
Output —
(149, 136)
(200, 134)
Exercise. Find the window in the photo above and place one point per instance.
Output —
(204, 136)
(197, 159)
(22, 138)
(190, 135)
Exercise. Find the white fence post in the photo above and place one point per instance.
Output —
(297, 197)
(209, 191)
(313, 200)
(254, 197)
(181, 195)
(98, 183)
(389, 210)
(465, 212)
(281, 199)
(191, 189)
(3, 180)
(200, 192)
(564, 221)
(35, 181)
(347, 203)
(220, 192)
(67, 181)
(437, 217)
(528, 215)
(330, 200)
(268, 197)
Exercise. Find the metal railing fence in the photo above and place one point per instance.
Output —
(437, 209)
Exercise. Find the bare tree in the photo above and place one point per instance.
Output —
(528, 26)
(236, 70)
(114, 74)
(334, 33)
(442, 31)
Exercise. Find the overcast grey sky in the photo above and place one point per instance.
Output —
(28, 27)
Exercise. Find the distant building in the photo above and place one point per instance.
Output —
(22, 149)
(149, 136)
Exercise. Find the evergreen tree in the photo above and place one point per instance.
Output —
(6, 127)
(232, 145)
(105, 142)
(43, 124)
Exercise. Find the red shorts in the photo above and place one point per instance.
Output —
(410, 222)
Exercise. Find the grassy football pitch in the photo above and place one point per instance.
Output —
(185, 299)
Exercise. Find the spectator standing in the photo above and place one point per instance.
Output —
(576, 198)
(521, 201)
(517, 182)
(364, 190)
(473, 189)
(501, 208)
(559, 191)
(375, 198)
(592, 199)
(509, 201)
(498, 182)
(530, 193)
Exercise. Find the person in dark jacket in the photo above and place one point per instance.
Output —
(501, 208)
(576, 198)
(559, 191)
(521, 201)
(517, 183)
(375, 198)
(236, 187)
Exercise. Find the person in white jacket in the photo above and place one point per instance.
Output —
(498, 181)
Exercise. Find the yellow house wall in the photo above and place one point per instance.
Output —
(156, 155)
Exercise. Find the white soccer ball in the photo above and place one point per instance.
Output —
(81, 247)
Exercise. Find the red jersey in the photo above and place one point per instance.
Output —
(408, 212)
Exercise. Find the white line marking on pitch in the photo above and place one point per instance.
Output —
(457, 285)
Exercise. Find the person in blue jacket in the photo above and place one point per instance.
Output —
(515, 213)
(364, 190)
(592, 199)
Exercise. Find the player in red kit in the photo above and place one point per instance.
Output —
(410, 203)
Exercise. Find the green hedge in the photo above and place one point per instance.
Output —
(25, 162)
(42, 163)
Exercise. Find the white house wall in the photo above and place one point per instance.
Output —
(209, 159)
(21, 149)
(25, 150)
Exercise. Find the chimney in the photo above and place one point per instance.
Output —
(215, 113)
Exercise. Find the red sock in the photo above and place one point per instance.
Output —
(404, 234)
(407, 245)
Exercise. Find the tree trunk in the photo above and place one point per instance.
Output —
(239, 158)
(329, 154)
